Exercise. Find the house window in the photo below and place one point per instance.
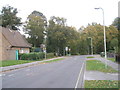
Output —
(22, 51)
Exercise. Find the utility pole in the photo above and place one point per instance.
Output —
(104, 34)
(91, 45)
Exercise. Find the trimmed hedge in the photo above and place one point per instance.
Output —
(117, 59)
(102, 54)
(35, 56)
(50, 55)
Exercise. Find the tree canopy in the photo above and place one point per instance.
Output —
(59, 35)
(9, 18)
(35, 25)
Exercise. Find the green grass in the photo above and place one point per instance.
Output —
(13, 62)
(101, 84)
(90, 57)
(16, 62)
(95, 65)
(111, 59)
(53, 60)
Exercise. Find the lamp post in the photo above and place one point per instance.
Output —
(91, 45)
(104, 33)
(45, 38)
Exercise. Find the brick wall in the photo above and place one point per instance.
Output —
(5, 50)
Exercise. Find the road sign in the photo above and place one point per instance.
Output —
(66, 48)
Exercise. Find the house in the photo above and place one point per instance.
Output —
(12, 43)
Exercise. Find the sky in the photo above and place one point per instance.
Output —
(77, 12)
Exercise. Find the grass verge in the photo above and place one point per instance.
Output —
(111, 59)
(16, 62)
(13, 62)
(90, 57)
(95, 65)
(101, 84)
(53, 60)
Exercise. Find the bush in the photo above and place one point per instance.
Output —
(102, 54)
(50, 55)
(117, 58)
(41, 55)
(35, 56)
(111, 51)
(31, 56)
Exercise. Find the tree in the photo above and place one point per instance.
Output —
(96, 32)
(116, 23)
(56, 37)
(61, 36)
(35, 26)
(9, 18)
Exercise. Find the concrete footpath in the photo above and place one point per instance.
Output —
(114, 65)
(97, 75)
(13, 67)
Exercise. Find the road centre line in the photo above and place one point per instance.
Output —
(11, 75)
(79, 76)
(2, 75)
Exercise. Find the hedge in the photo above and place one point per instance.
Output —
(50, 55)
(35, 56)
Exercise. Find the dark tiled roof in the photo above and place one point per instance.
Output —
(14, 38)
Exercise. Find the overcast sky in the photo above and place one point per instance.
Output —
(77, 12)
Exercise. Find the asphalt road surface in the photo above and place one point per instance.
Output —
(67, 73)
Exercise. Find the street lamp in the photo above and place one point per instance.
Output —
(91, 45)
(45, 38)
(104, 34)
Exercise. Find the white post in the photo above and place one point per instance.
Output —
(104, 36)
(91, 46)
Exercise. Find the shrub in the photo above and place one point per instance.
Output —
(23, 56)
(102, 54)
(35, 56)
(50, 55)
(117, 58)
(41, 55)
(31, 56)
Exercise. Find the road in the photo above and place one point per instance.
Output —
(67, 73)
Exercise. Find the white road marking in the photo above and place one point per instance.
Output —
(27, 70)
(2, 75)
(79, 76)
(10, 75)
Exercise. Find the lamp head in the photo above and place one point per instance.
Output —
(97, 8)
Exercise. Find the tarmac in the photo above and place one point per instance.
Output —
(89, 75)
(13, 67)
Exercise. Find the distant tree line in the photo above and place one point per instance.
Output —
(58, 35)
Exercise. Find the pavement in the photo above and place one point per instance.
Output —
(67, 73)
(114, 65)
(97, 75)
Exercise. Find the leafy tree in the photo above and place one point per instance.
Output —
(96, 32)
(61, 36)
(35, 27)
(9, 18)
(116, 23)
